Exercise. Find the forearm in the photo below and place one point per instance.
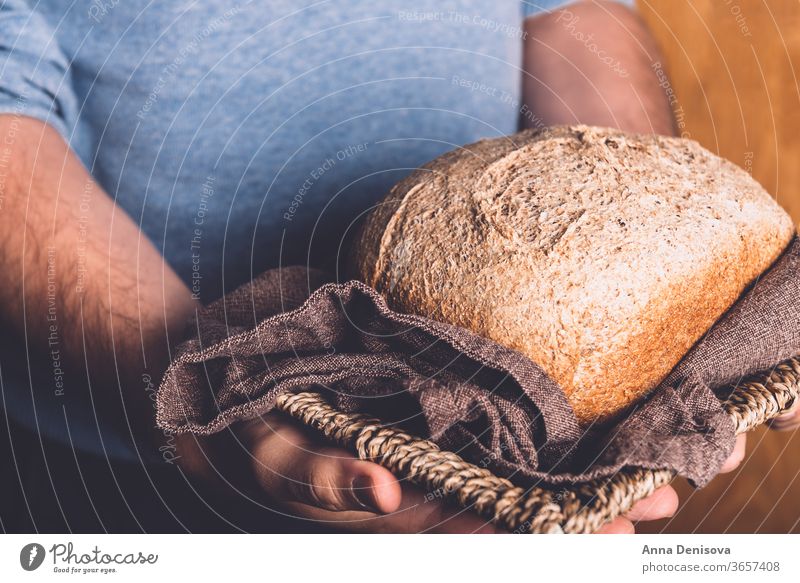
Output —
(80, 277)
(593, 63)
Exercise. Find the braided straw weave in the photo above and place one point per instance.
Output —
(584, 508)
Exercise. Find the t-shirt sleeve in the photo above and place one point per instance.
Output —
(534, 7)
(34, 72)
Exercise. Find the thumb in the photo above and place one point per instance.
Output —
(291, 467)
(332, 480)
(788, 420)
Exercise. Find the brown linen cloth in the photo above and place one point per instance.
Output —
(289, 330)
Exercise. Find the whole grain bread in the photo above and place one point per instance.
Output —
(602, 256)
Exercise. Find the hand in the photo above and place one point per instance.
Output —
(325, 483)
(320, 482)
(312, 480)
(664, 501)
(789, 420)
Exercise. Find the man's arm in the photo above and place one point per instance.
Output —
(596, 63)
(593, 63)
(80, 274)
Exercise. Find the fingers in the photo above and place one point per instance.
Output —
(327, 484)
(737, 455)
(619, 525)
(332, 480)
(662, 503)
(787, 421)
(417, 513)
(292, 468)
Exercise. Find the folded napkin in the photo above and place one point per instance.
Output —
(292, 329)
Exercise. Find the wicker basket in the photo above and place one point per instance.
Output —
(583, 509)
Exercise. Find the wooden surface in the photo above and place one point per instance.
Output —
(734, 67)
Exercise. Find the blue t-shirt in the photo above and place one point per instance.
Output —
(240, 136)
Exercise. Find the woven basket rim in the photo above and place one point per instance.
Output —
(583, 508)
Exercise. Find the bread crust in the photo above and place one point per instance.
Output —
(602, 256)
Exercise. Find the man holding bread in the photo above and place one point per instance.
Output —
(157, 155)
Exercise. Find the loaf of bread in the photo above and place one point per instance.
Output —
(602, 256)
